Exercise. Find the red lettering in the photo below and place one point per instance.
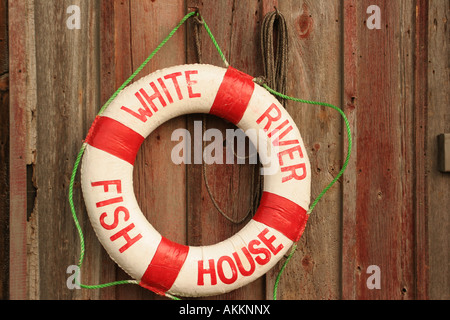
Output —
(222, 277)
(124, 233)
(255, 252)
(290, 152)
(281, 126)
(173, 77)
(116, 218)
(270, 118)
(202, 271)
(242, 270)
(106, 185)
(156, 95)
(277, 141)
(268, 242)
(143, 113)
(109, 202)
(190, 83)
(163, 86)
(252, 246)
(273, 114)
(293, 171)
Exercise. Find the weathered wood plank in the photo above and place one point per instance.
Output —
(159, 183)
(133, 29)
(379, 227)
(438, 123)
(315, 74)
(4, 151)
(115, 68)
(237, 32)
(18, 165)
(420, 115)
(67, 100)
(349, 190)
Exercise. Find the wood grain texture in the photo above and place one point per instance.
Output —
(315, 74)
(4, 151)
(237, 33)
(438, 122)
(114, 70)
(131, 30)
(421, 236)
(378, 224)
(349, 189)
(67, 100)
(18, 176)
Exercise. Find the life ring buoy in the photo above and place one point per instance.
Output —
(132, 242)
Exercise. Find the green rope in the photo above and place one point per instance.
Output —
(344, 167)
(215, 42)
(138, 70)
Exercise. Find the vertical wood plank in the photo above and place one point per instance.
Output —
(18, 176)
(237, 32)
(379, 225)
(26, 88)
(349, 244)
(163, 199)
(421, 255)
(132, 30)
(67, 100)
(315, 74)
(4, 151)
(438, 122)
(115, 68)
(159, 183)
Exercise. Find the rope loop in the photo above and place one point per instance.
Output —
(275, 53)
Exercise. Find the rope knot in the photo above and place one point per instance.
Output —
(198, 18)
(260, 81)
(277, 12)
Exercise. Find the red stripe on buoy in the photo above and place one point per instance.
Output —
(233, 96)
(115, 138)
(282, 215)
(165, 266)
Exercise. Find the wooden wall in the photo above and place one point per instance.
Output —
(390, 209)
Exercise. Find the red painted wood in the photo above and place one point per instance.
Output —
(237, 32)
(132, 30)
(4, 149)
(115, 68)
(379, 222)
(315, 73)
(18, 166)
(421, 241)
(349, 245)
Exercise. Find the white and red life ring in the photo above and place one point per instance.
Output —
(157, 263)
